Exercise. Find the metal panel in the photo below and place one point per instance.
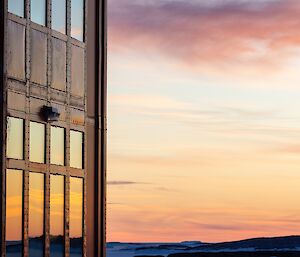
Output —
(16, 50)
(77, 117)
(38, 57)
(16, 101)
(36, 105)
(77, 87)
(59, 64)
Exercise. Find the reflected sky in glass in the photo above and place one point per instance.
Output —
(36, 214)
(14, 210)
(57, 154)
(57, 215)
(59, 15)
(15, 138)
(76, 149)
(16, 7)
(37, 142)
(76, 216)
(77, 19)
(38, 11)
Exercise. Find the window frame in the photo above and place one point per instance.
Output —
(45, 142)
(66, 18)
(83, 150)
(64, 143)
(23, 136)
(24, 9)
(45, 13)
(83, 39)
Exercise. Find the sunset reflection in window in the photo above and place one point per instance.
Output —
(36, 214)
(14, 211)
(76, 216)
(57, 215)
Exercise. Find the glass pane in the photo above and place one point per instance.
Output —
(38, 11)
(16, 7)
(37, 142)
(57, 216)
(14, 207)
(59, 15)
(77, 19)
(36, 214)
(57, 154)
(76, 216)
(76, 149)
(15, 138)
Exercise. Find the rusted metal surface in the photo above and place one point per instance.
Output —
(77, 71)
(16, 50)
(59, 60)
(38, 57)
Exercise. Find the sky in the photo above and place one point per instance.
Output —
(204, 118)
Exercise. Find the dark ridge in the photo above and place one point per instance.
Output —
(289, 242)
(239, 254)
(164, 247)
(149, 256)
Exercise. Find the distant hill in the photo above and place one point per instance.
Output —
(255, 247)
(258, 244)
(238, 254)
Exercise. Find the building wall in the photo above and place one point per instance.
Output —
(42, 67)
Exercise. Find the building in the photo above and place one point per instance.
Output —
(53, 127)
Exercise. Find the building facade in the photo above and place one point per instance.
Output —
(53, 127)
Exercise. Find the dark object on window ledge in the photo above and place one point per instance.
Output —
(50, 113)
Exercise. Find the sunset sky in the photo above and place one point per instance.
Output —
(204, 119)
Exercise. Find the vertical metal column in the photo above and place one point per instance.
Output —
(2, 126)
(101, 128)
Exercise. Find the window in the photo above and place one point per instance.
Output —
(77, 19)
(57, 216)
(37, 142)
(76, 149)
(14, 211)
(59, 15)
(38, 11)
(57, 154)
(76, 216)
(15, 138)
(36, 214)
(16, 7)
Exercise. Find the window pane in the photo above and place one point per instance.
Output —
(76, 216)
(57, 154)
(59, 15)
(15, 138)
(37, 142)
(16, 7)
(77, 19)
(57, 216)
(76, 149)
(14, 207)
(38, 11)
(36, 214)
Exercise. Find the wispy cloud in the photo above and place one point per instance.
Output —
(124, 183)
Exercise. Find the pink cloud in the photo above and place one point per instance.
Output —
(233, 33)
